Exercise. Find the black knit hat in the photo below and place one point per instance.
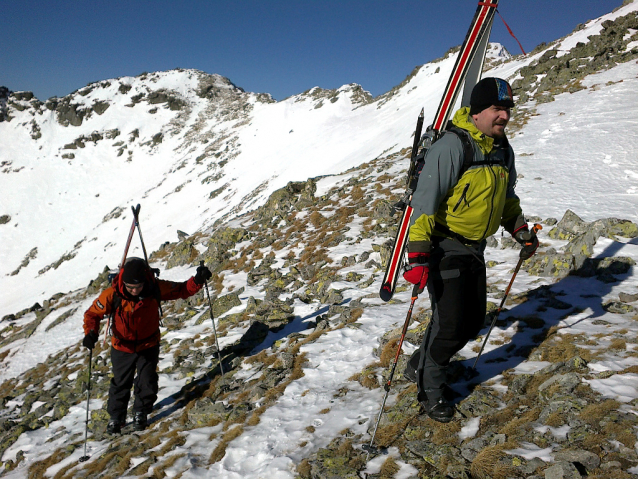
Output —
(491, 91)
(135, 271)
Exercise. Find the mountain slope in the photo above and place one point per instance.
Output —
(304, 338)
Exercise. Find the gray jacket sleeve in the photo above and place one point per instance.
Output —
(443, 164)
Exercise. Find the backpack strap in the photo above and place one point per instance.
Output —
(468, 149)
(116, 304)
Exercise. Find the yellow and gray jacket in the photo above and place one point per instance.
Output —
(466, 203)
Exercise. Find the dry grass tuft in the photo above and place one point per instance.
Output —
(159, 469)
(39, 468)
(389, 468)
(567, 348)
(387, 434)
(297, 368)
(355, 314)
(369, 380)
(389, 351)
(523, 422)
(254, 418)
(345, 448)
(556, 419)
(594, 413)
(447, 433)
(486, 464)
(618, 344)
(304, 469)
(620, 432)
(220, 451)
(261, 357)
(357, 193)
(317, 219)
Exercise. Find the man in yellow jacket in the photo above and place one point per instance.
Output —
(133, 301)
(457, 205)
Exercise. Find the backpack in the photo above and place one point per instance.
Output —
(468, 154)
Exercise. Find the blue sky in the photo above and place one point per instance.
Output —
(279, 47)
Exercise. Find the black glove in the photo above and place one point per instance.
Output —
(528, 241)
(90, 340)
(203, 274)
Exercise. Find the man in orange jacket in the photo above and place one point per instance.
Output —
(132, 301)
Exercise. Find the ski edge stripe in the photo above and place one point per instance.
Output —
(462, 64)
(402, 235)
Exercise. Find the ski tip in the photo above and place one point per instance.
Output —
(385, 293)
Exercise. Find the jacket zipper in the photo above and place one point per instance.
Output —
(463, 197)
(489, 219)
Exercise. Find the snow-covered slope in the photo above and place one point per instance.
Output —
(219, 156)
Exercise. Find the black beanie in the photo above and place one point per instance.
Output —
(134, 271)
(488, 92)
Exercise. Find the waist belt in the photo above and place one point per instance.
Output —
(445, 231)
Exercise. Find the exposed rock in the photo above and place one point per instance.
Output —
(225, 303)
(586, 459)
(562, 470)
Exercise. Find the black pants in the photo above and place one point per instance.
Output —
(458, 296)
(124, 366)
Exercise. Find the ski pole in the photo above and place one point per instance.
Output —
(210, 306)
(370, 448)
(88, 397)
(536, 228)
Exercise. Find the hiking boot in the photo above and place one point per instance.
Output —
(114, 426)
(440, 410)
(139, 421)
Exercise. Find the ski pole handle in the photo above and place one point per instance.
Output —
(536, 228)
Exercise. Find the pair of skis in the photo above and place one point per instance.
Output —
(135, 225)
(467, 70)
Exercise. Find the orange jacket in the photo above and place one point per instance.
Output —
(135, 325)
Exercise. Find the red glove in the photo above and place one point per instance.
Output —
(417, 270)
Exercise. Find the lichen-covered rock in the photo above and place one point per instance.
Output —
(225, 303)
(556, 265)
(295, 194)
(183, 253)
(221, 242)
(206, 412)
